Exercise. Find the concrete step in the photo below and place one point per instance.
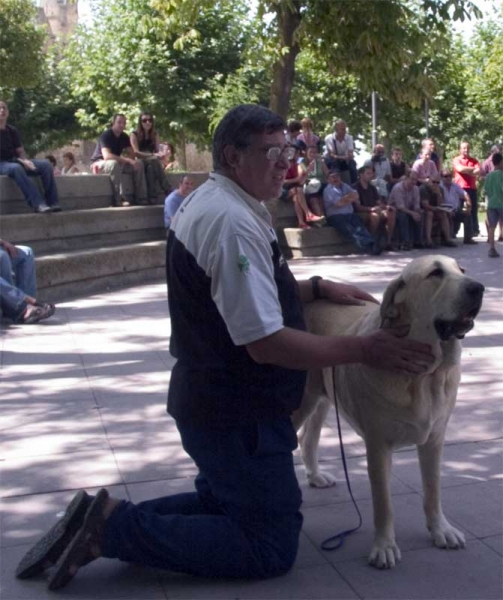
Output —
(315, 241)
(80, 273)
(83, 229)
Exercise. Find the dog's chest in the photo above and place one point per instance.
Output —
(403, 412)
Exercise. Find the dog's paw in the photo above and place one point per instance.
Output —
(321, 479)
(444, 535)
(384, 553)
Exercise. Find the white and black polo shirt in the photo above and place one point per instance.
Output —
(228, 285)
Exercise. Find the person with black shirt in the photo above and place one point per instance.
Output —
(113, 156)
(375, 214)
(145, 144)
(241, 349)
(15, 164)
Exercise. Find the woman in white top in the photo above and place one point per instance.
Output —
(69, 166)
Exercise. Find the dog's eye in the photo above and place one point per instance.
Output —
(436, 273)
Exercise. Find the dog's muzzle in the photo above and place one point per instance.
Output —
(469, 309)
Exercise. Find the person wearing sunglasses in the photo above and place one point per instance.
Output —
(114, 156)
(145, 143)
(239, 340)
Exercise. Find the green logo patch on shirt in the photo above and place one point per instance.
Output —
(243, 264)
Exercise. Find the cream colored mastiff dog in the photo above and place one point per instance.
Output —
(439, 303)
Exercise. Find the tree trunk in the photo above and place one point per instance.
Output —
(289, 19)
(182, 151)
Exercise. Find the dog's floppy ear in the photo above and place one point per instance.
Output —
(393, 296)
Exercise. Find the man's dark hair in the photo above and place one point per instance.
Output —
(182, 177)
(497, 158)
(239, 126)
(114, 118)
(362, 169)
(294, 126)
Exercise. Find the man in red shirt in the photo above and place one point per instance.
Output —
(466, 170)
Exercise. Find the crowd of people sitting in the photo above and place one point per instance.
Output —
(388, 204)
(141, 153)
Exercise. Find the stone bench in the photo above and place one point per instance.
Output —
(88, 247)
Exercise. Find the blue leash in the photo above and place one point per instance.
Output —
(336, 541)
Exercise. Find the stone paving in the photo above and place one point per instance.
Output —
(83, 406)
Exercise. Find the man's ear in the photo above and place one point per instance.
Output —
(232, 156)
(392, 297)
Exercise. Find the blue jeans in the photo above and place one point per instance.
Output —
(23, 266)
(410, 231)
(12, 302)
(351, 226)
(243, 520)
(30, 191)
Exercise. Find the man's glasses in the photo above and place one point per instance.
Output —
(435, 181)
(447, 176)
(276, 152)
(146, 120)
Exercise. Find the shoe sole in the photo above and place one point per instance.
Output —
(49, 548)
(77, 552)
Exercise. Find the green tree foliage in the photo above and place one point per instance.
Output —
(21, 41)
(45, 114)
(129, 61)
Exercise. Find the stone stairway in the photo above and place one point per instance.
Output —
(90, 246)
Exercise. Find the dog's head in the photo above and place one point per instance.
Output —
(433, 291)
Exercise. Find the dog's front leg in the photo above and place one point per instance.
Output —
(384, 553)
(444, 535)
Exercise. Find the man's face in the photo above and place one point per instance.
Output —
(412, 180)
(119, 124)
(447, 178)
(430, 145)
(255, 173)
(334, 179)
(379, 150)
(340, 128)
(465, 149)
(185, 186)
(397, 156)
(4, 110)
(426, 155)
(367, 175)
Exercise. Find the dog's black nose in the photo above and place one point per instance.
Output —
(474, 288)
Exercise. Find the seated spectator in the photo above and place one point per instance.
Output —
(113, 156)
(432, 199)
(52, 159)
(145, 144)
(429, 145)
(339, 152)
(307, 136)
(382, 169)
(425, 167)
(168, 157)
(21, 308)
(15, 164)
(399, 168)
(375, 214)
(316, 173)
(455, 198)
(69, 166)
(409, 216)
(175, 199)
(17, 267)
(293, 190)
(293, 129)
(493, 187)
(338, 199)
